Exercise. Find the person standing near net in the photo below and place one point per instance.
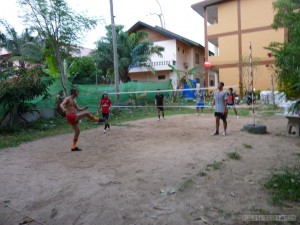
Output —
(159, 103)
(200, 100)
(105, 104)
(220, 103)
(69, 107)
(231, 101)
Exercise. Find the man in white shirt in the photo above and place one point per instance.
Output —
(220, 103)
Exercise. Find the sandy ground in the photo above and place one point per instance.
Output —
(122, 177)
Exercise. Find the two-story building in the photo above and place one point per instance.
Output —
(230, 25)
(180, 52)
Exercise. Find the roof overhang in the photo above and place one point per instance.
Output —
(202, 5)
(165, 32)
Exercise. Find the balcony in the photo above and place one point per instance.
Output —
(157, 66)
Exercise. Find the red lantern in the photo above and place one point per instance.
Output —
(207, 65)
(270, 54)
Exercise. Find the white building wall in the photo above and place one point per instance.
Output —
(160, 63)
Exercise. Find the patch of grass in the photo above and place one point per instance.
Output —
(215, 165)
(247, 145)
(56, 126)
(38, 129)
(298, 154)
(129, 114)
(267, 114)
(285, 185)
(234, 155)
(187, 183)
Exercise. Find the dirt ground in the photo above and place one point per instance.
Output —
(147, 172)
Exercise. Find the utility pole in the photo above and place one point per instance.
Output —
(252, 88)
(115, 49)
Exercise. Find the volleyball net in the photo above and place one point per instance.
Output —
(131, 95)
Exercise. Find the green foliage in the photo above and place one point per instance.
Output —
(24, 49)
(55, 126)
(82, 70)
(287, 55)
(21, 72)
(16, 93)
(214, 165)
(234, 155)
(59, 26)
(284, 186)
(25, 132)
(247, 145)
(133, 50)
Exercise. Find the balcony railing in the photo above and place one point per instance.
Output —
(153, 64)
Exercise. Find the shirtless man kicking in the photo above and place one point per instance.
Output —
(69, 106)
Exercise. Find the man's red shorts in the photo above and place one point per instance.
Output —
(71, 118)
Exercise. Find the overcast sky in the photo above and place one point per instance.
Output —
(180, 18)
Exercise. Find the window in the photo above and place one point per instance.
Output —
(178, 49)
(161, 77)
(197, 59)
(212, 83)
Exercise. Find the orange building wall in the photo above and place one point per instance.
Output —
(256, 13)
(230, 77)
(260, 40)
(227, 19)
(228, 51)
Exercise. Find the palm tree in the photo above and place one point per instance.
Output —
(133, 49)
(24, 49)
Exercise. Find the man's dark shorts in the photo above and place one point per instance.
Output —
(105, 116)
(161, 108)
(222, 116)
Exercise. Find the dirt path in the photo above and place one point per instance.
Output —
(119, 176)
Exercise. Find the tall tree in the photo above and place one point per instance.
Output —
(24, 50)
(133, 50)
(59, 26)
(82, 70)
(287, 55)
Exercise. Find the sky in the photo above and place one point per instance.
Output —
(179, 17)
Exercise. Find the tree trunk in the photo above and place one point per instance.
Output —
(63, 76)
(115, 49)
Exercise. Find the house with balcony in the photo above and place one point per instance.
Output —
(179, 51)
(231, 25)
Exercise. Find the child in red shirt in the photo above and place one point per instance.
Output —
(105, 104)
